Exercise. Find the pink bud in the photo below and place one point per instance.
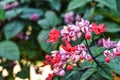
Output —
(63, 57)
(47, 56)
(100, 42)
(77, 17)
(106, 53)
(34, 17)
(107, 59)
(88, 57)
(88, 35)
(20, 35)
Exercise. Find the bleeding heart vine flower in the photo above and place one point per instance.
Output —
(98, 29)
(69, 55)
(53, 36)
(108, 44)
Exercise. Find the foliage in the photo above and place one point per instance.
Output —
(23, 37)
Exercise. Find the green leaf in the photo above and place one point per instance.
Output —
(88, 73)
(31, 53)
(72, 73)
(27, 12)
(96, 76)
(1, 78)
(50, 20)
(89, 41)
(113, 15)
(44, 23)
(109, 3)
(99, 50)
(104, 73)
(24, 73)
(89, 13)
(112, 27)
(114, 65)
(12, 29)
(55, 4)
(9, 50)
(77, 3)
(11, 14)
(46, 46)
(6, 1)
(2, 14)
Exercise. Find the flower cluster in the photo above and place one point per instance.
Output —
(112, 48)
(69, 17)
(69, 55)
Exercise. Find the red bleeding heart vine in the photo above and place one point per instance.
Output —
(69, 55)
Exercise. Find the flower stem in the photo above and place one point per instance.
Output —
(91, 53)
(103, 35)
(94, 58)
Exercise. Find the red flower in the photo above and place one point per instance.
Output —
(69, 48)
(50, 76)
(56, 59)
(53, 35)
(98, 29)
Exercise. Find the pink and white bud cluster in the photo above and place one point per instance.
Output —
(69, 55)
(59, 59)
(58, 62)
(85, 28)
(80, 54)
(70, 17)
(10, 6)
(72, 32)
(112, 48)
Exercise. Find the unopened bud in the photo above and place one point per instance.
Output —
(100, 42)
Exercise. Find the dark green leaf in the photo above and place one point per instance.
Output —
(99, 50)
(12, 29)
(44, 23)
(109, 3)
(1, 78)
(113, 15)
(9, 50)
(46, 46)
(51, 20)
(114, 65)
(55, 4)
(13, 13)
(104, 73)
(27, 12)
(24, 73)
(77, 3)
(6, 1)
(89, 14)
(2, 14)
(88, 73)
(112, 27)
(72, 73)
